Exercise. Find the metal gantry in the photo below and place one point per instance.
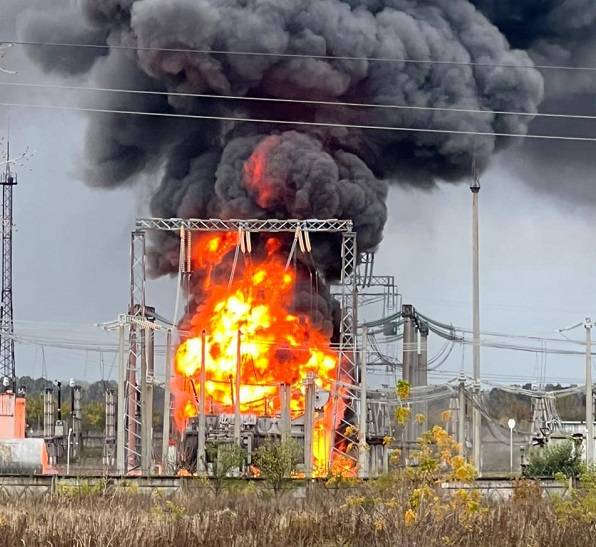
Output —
(248, 225)
(346, 396)
(7, 360)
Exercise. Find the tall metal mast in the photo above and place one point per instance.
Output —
(7, 360)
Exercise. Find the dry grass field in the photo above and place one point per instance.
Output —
(391, 511)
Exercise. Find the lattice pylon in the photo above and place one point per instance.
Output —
(7, 358)
(345, 394)
(132, 421)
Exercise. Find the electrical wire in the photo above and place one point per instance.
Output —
(300, 123)
(296, 101)
(294, 55)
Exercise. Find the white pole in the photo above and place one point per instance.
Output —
(237, 391)
(589, 401)
(165, 440)
(201, 459)
(362, 446)
(476, 417)
(511, 424)
(68, 451)
(121, 462)
(511, 451)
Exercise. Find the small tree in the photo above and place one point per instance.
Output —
(225, 458)
(555, 459)
(276, 460)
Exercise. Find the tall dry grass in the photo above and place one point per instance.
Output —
(367, 515)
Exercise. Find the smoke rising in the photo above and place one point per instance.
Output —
(555, 32)
(213, 169)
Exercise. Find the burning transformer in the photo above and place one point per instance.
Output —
(251, 365)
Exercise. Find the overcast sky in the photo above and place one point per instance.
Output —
(538, 261)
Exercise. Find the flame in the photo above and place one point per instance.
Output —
(257, 176)
(277, 346)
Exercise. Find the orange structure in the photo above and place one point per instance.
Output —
(12, 416)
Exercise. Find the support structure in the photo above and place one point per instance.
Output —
(421, 378)
(7, 360)
(167, 406)
(363, 460)
(476, 416)
(201, 455)
(346, 395)
(133, 389)
(410, 346)
(461, 414)
(309, 420)
(589, 399)
(109, 450)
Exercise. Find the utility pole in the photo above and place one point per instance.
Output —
(589, 400)
(165, 440)
(363, 419)
(237, 424)
(201, 459)
(309, 420)
(461, 414)
(476, 416)
(121, 408)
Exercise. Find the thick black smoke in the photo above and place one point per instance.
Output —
(325, 172)
(561, 33)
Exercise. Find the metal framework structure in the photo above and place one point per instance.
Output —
(7, 361)
(248, 225)
(346, 395)
(134, 370)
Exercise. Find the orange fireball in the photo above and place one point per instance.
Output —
(277, 345)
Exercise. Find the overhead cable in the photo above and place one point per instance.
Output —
(296, 101)
(295, 55)
(300, 123)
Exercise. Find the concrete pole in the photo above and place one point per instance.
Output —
(363, 453)
(309, 420)
(285, 396)
(409, 345)
(511, 450)
(147, 373)
(589, 400)
(476, 416)
(461, 415)
(422, 379)
(237, 418)
(120, 437)
(201, 459)
(165, 437)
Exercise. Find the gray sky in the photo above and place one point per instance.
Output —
(71, 251)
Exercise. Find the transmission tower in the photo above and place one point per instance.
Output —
(7, 362)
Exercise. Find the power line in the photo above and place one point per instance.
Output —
(296, 55)
(297, 101)
(298, 122)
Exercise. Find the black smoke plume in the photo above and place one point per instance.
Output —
(560, 33)
(314, 171)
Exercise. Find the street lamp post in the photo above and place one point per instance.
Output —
(511, 424)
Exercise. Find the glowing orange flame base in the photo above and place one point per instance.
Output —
(277, 346)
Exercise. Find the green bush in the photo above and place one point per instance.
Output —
(277, 460)
(561, 458)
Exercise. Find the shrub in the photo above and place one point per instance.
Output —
(561, 458)
(277, 460)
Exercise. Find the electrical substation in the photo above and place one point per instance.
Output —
(339, 404)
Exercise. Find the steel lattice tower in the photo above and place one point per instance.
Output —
(7, 360)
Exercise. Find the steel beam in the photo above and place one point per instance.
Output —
(249, 225)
